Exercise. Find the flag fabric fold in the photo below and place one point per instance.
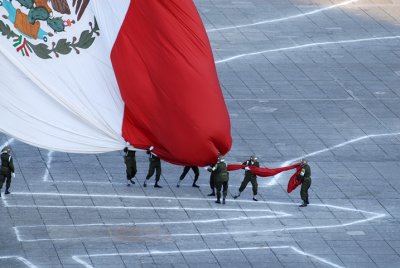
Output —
(268, 172)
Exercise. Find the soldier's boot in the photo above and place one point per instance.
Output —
(130, 181)
(255, 198)
(7, 191)
(145, 183)
(218, 198)
(223, 198)
(157, 186)
(307, 201)
(195, 185)
(179, 183)
(212, 193)
(304, 204)
(237, 195)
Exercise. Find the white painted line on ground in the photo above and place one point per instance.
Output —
(276, 178)
(308, 45)
(316, 257)
(373, 216)
(4, 200)
(48, 166)
(142, 208)
(202, 234)
(156, 222)
(79, 258)
(301, 15)
(21, 259)
(8, 142)
(189, 185)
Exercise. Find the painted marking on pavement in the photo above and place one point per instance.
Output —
(301, 15)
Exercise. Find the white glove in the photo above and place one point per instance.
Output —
(13, 175)
(151, 148)
(246, 168)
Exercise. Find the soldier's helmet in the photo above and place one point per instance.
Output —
(220, 157)
(6, 149)
(304, 161)
(253, 157)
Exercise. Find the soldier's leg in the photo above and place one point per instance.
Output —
(158, 175)
(196, 176)
(134, 170)
(152, 169)
(1, 182)
(130, 174)
(243, 186)
(308, 187)
(254, 185)
(183, 175)
(218, 186)
(224, 191)
(304, 192)
(185, 171)
(8, 184)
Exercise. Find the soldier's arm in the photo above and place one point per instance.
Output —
(11, 164)
(301, 175)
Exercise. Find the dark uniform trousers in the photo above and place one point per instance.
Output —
(250, 177)
(212, 182)
(221, 183)
(186, 170)
(155, 166)
(304, 189)
(7, 179)
(130, 162)
(7, 168)
(306, 183)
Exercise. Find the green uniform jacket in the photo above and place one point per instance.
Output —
(248, 175)
(220, 172)
(130, 160)
(7, 165)
(306, 171)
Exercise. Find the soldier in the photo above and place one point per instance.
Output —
(130, 162)
(249, 177)
(7, 169)
(221, 178)
(185, 171)
(154, 165)
(305, 177)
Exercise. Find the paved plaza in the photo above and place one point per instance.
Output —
(303, 78)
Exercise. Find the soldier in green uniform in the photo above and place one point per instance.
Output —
(130, 162)
(7, 169)
(221, 178)
(185, 171)
(305, 177)
(154, 166)
(249, 177)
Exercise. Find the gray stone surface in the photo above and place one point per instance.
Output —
(324, 85)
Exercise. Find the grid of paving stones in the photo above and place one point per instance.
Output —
(319, 79)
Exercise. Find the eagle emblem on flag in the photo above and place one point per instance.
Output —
(45, 28)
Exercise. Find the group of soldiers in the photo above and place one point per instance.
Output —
(219, 177)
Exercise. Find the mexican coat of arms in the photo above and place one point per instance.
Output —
(37, 26)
